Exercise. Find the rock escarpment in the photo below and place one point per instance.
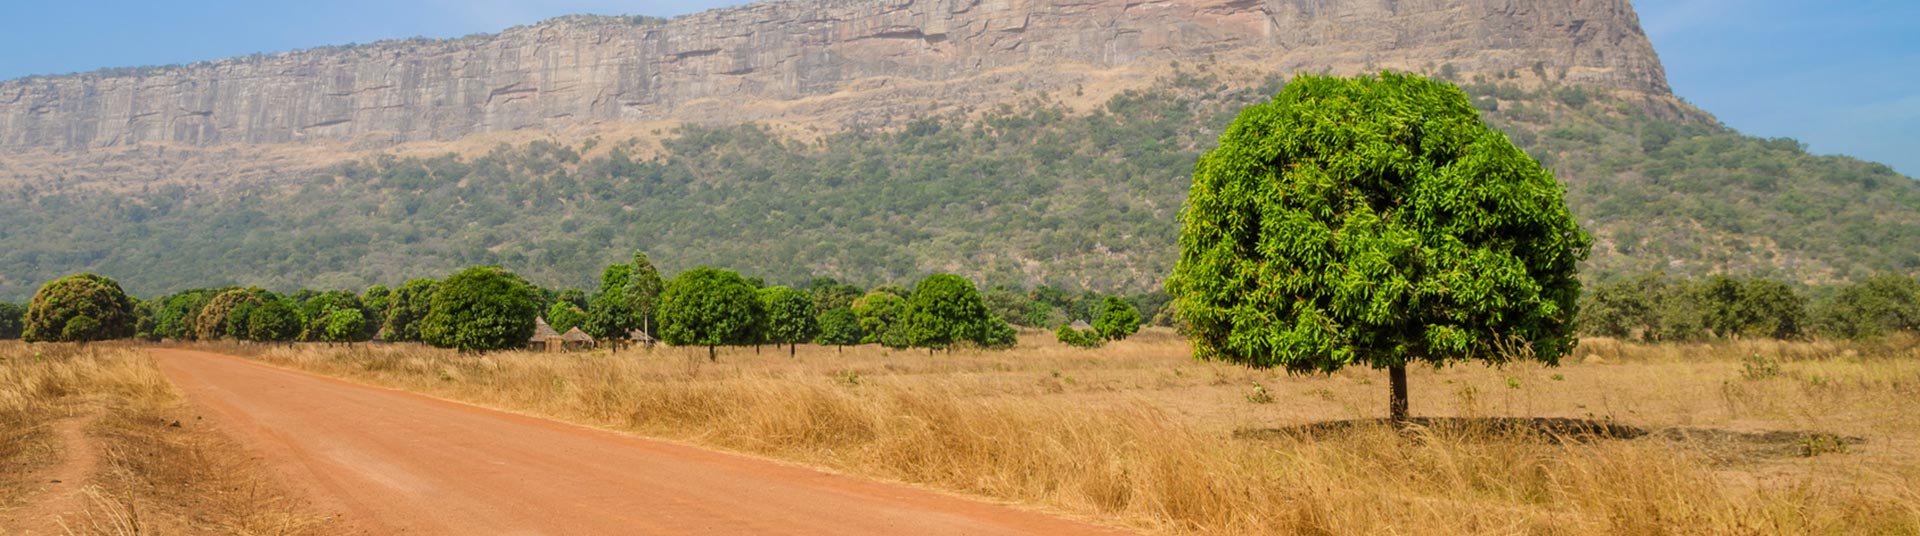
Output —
(869, 61)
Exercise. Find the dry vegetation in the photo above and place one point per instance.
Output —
(136, 461)
(1733, 438)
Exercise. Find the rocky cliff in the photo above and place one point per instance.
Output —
(868, 61)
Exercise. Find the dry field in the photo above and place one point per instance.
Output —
(1760, 437)
(93, 440)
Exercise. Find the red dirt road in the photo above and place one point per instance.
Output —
(395, 462)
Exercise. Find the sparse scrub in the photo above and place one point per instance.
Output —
(1181, 454)
(156, 473)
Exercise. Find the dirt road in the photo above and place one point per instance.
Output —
(395, 462)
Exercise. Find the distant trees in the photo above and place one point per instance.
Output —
(347, 326)
(1083, 338)
(1375, 221)
(479, 309)
(881, 313)
(273, 321)
(839, 327)
(409, 304)
(79, 308)
(790, 318)
(644, 287)
(12, 320)
(564, 315)
(218, 319)
(945, 309)
(1871, 308)
(709, 307)
(1117, 320)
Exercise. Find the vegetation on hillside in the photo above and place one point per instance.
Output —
(1018, 195)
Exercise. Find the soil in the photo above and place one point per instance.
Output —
(387, 461)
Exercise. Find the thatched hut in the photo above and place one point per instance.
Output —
(574, 339)
(1080, 325)
(545, 339)
(640, 337)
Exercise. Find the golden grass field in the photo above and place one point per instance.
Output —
(124, 465)
(1745, 437)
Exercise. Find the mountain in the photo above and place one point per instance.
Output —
(1015, 142)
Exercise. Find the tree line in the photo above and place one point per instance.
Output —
(487, 308)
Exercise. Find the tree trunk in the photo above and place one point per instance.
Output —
(710, 357)
(793, 349)
(1397, 405)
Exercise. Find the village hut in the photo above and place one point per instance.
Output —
(545, 339)
(1080, 325)
(574, 339)
(640, 337)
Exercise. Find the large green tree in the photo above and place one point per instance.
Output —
(79, 308)
(480, 309)
(709, 307)
(790, 317)
(564, 315)
(1374, 221)
(346, 325)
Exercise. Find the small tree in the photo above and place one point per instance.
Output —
(1083, 338)
(644, 286)
(790, 319)
(273, 321)
(881, 314)
(708, 307)
(1374, 221)
(79, 308)
(840, 327)
(1117, 320)
(409, 303)
(346, 325)
(12, 320)
(565, 315)
(480, 309)
(214, 319)
(945, 309)
(609, 318)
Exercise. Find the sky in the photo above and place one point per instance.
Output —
(1842, 76)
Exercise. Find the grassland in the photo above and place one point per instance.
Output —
(1758, 437)
(94, 440)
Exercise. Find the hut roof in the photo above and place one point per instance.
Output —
(542, 331)
(575, 335)
(1080, 324)
(639, 336)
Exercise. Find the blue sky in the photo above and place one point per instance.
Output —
(1842, 76)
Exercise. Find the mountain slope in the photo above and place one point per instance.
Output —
(1027, 193)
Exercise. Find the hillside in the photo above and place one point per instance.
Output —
(1069, 171)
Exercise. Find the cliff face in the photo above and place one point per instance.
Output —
(868, 61)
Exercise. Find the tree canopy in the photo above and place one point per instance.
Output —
(79, 308)
(790, 316)
(1374, 221)
(945, 309)
(1117, 319)
(709, 307)
(273, 321)
(482, 308)
(839, 327)
(12, 320)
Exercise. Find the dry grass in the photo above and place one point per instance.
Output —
(1809, 438)
(158, 470)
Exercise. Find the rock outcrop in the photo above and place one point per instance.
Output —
(870, 61)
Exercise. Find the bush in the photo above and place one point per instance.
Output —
(79, 308)
(1082, 338)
